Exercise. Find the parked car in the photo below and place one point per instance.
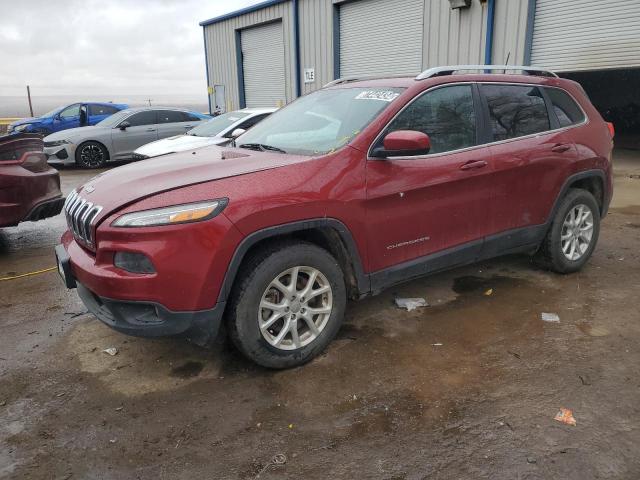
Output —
(63, 118)
(217, 131)
(116, 137)
(341, 194)
(29, 188)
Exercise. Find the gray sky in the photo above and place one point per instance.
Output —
(125, 47)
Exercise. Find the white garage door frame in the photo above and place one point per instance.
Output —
(260, 61)
(570, 36)
(379, 37)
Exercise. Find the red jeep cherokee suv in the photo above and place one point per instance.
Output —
(348, 190)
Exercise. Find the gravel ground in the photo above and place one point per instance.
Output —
(465, 388)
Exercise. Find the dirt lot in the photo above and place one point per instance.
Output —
(466, 388)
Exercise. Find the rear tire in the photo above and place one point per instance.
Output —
(281, 323)
(573, 233)
(91, 155)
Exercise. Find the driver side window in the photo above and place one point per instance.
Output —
(71, 111)
(446, 114)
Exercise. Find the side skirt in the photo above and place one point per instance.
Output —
(521, 240)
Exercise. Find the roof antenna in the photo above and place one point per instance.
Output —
(506, 62)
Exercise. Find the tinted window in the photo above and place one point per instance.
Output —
(252, 121)
(170, 116)
(102, 110)
(515, 110)
(189, 117)
(72, 111)
(142, 118)
(445, 114)
(217, 124)
(565, 108)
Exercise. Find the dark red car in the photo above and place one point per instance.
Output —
(29, 188)
(346, 191)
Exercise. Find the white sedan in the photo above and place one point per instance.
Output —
(218, 131)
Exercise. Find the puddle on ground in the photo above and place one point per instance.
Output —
(142, 365)
(188, 370)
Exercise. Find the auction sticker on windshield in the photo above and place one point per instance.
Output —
(382, 95)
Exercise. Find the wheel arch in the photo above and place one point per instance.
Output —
(328, 233)
(106, 148)
(594, 181)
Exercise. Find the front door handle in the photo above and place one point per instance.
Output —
(151, 129)
(560, 148)
(473, 164)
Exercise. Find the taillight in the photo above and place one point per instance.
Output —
(612, 130)
(34, 162)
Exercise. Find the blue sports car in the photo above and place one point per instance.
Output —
(63, 118)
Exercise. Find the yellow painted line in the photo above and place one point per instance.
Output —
(7, 121)
(37, 272)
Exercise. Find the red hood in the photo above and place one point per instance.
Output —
(123, 185)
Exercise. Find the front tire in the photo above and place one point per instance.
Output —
(573, 234)
(91, 155)
(287, 305)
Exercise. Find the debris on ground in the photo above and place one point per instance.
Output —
(113, 351)
(278, 459)
(488, 293)
(411, 303)
(436, 344)
(565, 416)
(550, 317)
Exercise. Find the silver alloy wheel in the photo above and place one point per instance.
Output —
(91, 155)
(577, 232)
(295, 308)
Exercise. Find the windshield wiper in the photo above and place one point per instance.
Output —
(261, 147)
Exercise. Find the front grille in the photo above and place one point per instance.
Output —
(139, 156)
(80, 215)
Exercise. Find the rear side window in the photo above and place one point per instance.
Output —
(565, 107)
(171, 116)
(147, 117)
(515, 110)
(445, 114)
(102, 110)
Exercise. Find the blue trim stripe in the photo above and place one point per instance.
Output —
(243, 11)
(336, 41)
(528, 42)
(488, 49)
(206, 66)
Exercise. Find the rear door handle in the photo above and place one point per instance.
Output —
(151, 129)
(473, 164)
(560, 148)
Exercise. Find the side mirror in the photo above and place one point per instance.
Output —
(237, 132)
(124, 125)
(403, 143)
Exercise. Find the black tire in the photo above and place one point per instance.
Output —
(91, 155)
(550, 254)
(254, 278)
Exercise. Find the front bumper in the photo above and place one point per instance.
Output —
(140, 318)
(61, 154)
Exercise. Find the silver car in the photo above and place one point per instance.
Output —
(116, 137)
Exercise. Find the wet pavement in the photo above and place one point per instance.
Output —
(465, 388)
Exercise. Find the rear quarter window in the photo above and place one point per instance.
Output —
(565, 107)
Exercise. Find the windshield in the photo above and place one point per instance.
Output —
(52, 112)
(218, 124)
(114, 119)
(320, 122)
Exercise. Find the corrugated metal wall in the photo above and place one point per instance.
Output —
(453, 36)
(450, 37)
(316, 41)
(510, 31)
(221, 49)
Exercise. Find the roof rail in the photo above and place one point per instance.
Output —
(356, 78)
(449, 70)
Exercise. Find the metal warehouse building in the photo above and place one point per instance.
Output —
(275, 51)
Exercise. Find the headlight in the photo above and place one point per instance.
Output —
(21, 128)
(56, 143)
(186, 213)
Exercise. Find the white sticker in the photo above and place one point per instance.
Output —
(382, 95)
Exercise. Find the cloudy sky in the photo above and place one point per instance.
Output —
(120, 47)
